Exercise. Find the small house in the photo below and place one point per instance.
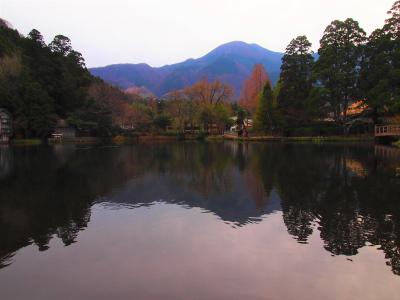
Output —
(246, 122)
(359, 119)
(63, 130)
(5, 126)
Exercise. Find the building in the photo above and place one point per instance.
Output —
(246, 122)
(359, 119)
(62, 130)
(5, 126)
(357, 109)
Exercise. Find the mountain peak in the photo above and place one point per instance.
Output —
(246, 53)
(230, 62)
(235, 47)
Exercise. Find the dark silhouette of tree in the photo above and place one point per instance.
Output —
(296, 81)
(380, 69)
(266, 116)
(338, 66)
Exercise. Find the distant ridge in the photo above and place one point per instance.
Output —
(231, 63)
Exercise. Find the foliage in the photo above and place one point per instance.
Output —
(381, 67)
(295, 81)
(338, 67)
(252, 87)
(161, 121)
(266, 116)
(40, 84)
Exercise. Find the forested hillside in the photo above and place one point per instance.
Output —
(40, 84)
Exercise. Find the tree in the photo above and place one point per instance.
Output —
(207, 96)
(266, 115)
(40, 84)
(161, 121)
(4, 23)
(380, 76)
(71, 79)
(209, 93)
(252, 87)
(295, 80)
(241, 116)
(392, 24)
(36, 37)
(141, 119)
(181, 110)
(61, 45)
(222, 113)
(338, 66)
(10, 71)
(34, 112)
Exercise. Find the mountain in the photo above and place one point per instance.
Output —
(231, 63)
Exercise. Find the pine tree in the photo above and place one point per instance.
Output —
(338, 67)
(266, 116)
(380, 76)
(295, 80)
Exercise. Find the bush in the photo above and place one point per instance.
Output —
(202, 135)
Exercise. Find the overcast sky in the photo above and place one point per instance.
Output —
(162, 32)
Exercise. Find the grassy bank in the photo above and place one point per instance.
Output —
(122, 140)
(397, 144)
(330, 139)
(76, 140)
(26, 142)
(318, 139)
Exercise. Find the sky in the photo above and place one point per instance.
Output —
(160, 32)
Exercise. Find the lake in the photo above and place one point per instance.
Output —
(197, 220)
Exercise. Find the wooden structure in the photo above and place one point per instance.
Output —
(387, 131)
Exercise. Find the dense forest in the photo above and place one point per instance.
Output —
(350, 68)
(42, 84)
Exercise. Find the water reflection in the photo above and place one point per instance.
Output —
(347, 194)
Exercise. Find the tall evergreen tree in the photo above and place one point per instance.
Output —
(266, 116)
(61, 45)
(71, 78)
(295, 80)
(34, 112)
(37, 37)
(338, 67)
(381, 67)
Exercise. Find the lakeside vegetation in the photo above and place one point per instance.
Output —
(41, 84)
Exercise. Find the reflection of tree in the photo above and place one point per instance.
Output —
(353, 204)
(44, 196)
(345, 193)
(5, 161)
(50, 191)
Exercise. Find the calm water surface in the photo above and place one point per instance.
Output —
(200, 221)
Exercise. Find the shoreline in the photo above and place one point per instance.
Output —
(314, 139)
(121, 140)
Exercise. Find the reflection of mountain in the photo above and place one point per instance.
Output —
(346, 193)
(234, 204)
(50, 190)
